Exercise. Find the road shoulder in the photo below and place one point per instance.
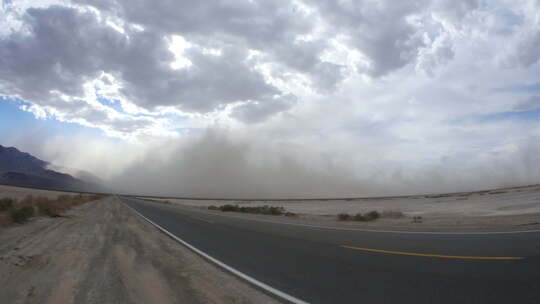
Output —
(103, 253)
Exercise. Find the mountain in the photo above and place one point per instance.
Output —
(22, 169)
(79, 174)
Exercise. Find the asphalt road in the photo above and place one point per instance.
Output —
(319, 265)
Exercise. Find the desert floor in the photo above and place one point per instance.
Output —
(101, 252)
(515, 208)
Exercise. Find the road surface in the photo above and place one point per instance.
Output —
(321, 265)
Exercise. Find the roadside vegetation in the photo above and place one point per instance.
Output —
(359, 217)
(267, 210)
(369, 216)
(20, 211)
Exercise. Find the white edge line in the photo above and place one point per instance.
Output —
(368, 230)
(251, 280)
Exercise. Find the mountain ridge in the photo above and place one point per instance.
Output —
(19, 168)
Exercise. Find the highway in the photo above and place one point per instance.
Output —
(321, 265)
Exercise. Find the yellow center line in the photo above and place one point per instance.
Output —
(442, 256)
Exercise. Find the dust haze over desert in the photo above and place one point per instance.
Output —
(215, 164)
(276, 100)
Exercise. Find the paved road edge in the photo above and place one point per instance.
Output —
(266, 288)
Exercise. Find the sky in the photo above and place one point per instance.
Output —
(276, 98)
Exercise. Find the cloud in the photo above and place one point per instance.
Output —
(253, 112)
(455, 11)
(67, 48)
(438, 53)
(395, 90)
(527, 50)
(530, 103)
(237, 53)
(380, 31)
(273, 28)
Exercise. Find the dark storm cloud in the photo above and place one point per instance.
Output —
(380, 30)
(62, 48)
(65, 48)
(383, 31)
(271, 27)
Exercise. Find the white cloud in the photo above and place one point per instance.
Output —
(384, 86)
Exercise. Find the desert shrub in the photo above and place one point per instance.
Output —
(343, 217)
(267, 210)
(75, 200)
(27, 200)
(229, 208)
(6, 204)
(52, 208)
(392, 214)
(5, 220)
(57, 207)
(44, 206)
(274, 210)
(22, 214)
(64, 198)
(245, 210)
(359, 217)
(372, 215)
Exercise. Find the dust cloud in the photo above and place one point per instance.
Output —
(216, 164)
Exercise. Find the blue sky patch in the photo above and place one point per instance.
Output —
(520, 88)
(13, 119)
(533, 114)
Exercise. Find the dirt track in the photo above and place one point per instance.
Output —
(103, 253)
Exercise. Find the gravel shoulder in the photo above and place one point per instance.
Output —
(101, 252)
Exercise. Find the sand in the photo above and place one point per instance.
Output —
(508, 201)
(19, 192)
(502, 209)
(103, 253)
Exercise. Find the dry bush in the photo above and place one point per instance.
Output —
(5, 220)
(6, 204)
(267, 210)
(53, 208)
(417, 219)
(359, 217)
(393, 214)
(372, 215)
(21, 211)
(27, 200)
(343, 217)
(21, 215)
